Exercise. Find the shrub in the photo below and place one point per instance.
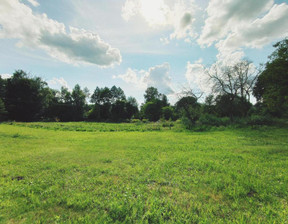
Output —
(260, 120)
(212, 120)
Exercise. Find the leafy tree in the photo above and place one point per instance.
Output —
(189, 108)
(3, 112)
(117, 94)
(228, 105)
(151, 94)
(78, 102)
(118, 111)
(152, 110)
(24, 96)
(209, 105)
(271, 87)
(168, 112)
(154, 102)
(2, 88)
(131, 107)
(65, 96)
(101, 96)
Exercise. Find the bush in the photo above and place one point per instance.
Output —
(212, 120)
(260, 120)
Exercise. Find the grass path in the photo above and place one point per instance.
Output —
(56, 176)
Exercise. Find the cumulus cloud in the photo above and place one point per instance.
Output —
(58, 82)
(234, 24)
(260, 32)
(176, 15)
(225, 16)
(5, 76)
(157, 76)
(197, 77)
(33, 30)
(33, 2)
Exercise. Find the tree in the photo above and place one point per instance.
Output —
(117, 94)
(234, 85)
(168, 112)
(131, 107)
(2, 88)
(228, 105)
(3, 112)
(189, 108)
(271, 87)
(78, 102)
(235, 80)
(24, 96)
(118, 111)
(152, 110)
(154, 102)
(151, 94)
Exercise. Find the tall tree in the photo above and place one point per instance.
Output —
(3, 112)
(189, 108)
(79, 102)
(151, 94)
(271, 87)
(235, 80)
(24, 96)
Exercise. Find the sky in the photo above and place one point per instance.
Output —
(135, 44)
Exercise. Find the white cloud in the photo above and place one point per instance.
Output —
(225, 16)
(33, 2)
(157, 76)
(58, 82)
(5, 76)
(197, 77)
(176, 15)
(234, 24)
(33, 30)
(262, 31)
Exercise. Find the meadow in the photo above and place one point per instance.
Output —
(142, 173)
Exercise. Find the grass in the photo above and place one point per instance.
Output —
(107, 173)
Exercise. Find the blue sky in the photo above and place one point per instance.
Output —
(136, 43)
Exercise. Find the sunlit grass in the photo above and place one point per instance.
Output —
(53, 174)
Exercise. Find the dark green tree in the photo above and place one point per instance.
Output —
(189, 108)
(152, 110)
(271, 87)
(231, 106)
(24, 97)
(3, 112)
(78, 102)
(131, 107)
(151, 94)
(168, 112)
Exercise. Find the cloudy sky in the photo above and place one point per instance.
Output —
(135, 43)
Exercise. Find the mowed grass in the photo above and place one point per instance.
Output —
(50, 175)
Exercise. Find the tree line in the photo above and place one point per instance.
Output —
(25, 98)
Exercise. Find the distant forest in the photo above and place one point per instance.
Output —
(25, 98)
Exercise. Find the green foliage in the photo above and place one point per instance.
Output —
(68, 176)
(151, 94)
(152, 109)
(272, 84)
(24, 96)
(190, 110)
(3, 112)
(112, 105)
(260, 120)
(168, 113)
(212, 120)
(229, 105)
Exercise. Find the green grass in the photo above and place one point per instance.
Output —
(107, 173)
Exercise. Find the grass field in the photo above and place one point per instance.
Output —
(129, 173)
